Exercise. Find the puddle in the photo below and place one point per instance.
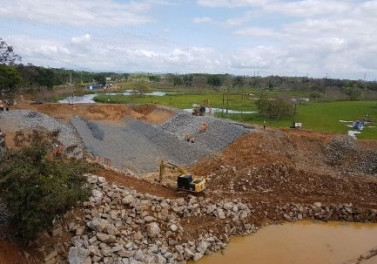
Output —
(302, 242)
(88, 98)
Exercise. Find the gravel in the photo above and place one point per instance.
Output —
(219, 134)
(140, 146)
(28, 120)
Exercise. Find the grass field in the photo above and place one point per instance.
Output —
(183, 101)
(325, 117)
(322, 116)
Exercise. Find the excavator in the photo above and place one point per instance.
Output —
(185, 181)
(199, 110)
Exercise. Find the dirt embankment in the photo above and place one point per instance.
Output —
(291, 166)
(104, 112)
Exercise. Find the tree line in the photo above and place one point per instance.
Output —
(14, 75)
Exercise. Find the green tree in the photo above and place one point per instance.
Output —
(154, 78)
(37, 189)
(187, 79)
(353, 92)
(238, 81)
(177, 80)
(274, 107)
(46, 77)
(100, 78)
(141, 87)
(10, 78)
(7, 55)
(214, 80)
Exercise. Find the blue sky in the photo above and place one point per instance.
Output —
(314, 38)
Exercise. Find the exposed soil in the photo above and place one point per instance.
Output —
(287, 166)
(11, 253)
(105, 112)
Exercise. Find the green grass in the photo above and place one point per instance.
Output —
(324, 117)
(182, 101)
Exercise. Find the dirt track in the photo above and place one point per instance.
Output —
(268, 169)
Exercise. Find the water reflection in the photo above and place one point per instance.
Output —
(88, 98)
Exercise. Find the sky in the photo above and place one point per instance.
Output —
(314, 38)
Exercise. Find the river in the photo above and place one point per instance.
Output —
(298, 243)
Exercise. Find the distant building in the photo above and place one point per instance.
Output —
(94, 86)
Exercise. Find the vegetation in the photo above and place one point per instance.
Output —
(7, 55)
(184, 101)
(353, 92)
(141, 87)
(37, 189)
(9, 79)
(324, 117)
(274, 108)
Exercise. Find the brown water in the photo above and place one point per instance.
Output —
(300, 243)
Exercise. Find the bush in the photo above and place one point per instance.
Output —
(274, 108)
(38, 189)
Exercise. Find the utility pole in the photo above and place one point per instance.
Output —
(227, 102)
(222, 109)
(325, 85)
(294, 115)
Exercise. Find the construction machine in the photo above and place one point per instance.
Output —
(199, 110)
(185, 180)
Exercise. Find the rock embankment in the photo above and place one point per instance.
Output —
(123, 226)
(120, 225)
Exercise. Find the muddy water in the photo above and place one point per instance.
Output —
(302, 242)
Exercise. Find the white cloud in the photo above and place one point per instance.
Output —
(82, 39)
(81, 53)
(309, 8)
(199, 20)
(232, 3)
(269, 36)
(239, 20)
(80, 12)
(258, 32)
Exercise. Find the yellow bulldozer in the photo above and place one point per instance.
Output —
(185, 180)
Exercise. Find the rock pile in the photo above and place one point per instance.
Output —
(318, 211)
(119, 225)
(28, 120)
(124, 226)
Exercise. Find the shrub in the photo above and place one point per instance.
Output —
(38, 189)
(274, 108)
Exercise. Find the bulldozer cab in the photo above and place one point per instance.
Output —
(185, 180)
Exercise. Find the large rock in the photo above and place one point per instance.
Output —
(98, 224)
(77, 255)
(220, 213)
(112, 230)
(211, 208)
(149, 219)
(228, 206)
(197, 256)
(128, 199)
(153, 229)
(173, 227)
